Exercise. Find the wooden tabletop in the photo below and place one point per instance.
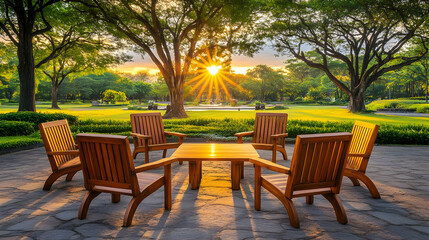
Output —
(215, 151)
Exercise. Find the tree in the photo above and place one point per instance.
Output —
(113, 96)
(86, 49)
(20, 22)
(170, 32)
(270, 82)
(141, 90)
(366, 35)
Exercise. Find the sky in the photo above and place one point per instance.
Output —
(240, 64)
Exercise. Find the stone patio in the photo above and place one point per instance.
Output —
(215, 211)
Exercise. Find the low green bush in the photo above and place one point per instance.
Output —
(15, 128)
(17, 141)
(136, 107)
(36, 117)
(277, 108)
(105, 126)
(226, 128)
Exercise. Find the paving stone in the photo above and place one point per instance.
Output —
(422, 229)
(94, 230)
(66, 215)
(57, 234)
(393, 218)
(36, 223)
(236, 234)
(215, 211)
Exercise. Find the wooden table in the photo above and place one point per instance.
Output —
(195, 153)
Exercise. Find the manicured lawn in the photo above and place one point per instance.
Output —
(296, 112)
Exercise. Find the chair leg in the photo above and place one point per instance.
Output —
(274, 155)
(338, 207)
(167, 187)
(146, 156)
(164, 153)
(283, 151)
(83, 210)
(135, 154)
(257, 193)
(70, 176)
(309, 199)
(116, 198)
(291, 211)
(51, 179)
(131, 209)
(369, 184)
(354, 181)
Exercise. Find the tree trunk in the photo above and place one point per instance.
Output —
(357, 101)
(27, 95)
(427, 90)
(55, 89)
(177, 97)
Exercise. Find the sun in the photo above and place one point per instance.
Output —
(213, 70)
(211, 78)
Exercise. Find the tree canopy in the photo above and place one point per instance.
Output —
(367, 35)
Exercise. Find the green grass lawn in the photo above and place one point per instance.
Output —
(296, 112)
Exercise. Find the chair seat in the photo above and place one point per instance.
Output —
(75, 162)
(265, 146)
(279, 181)
(145, 179)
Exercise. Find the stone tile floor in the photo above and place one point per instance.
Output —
(215, 211)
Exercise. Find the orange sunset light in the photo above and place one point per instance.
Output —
(211, 78)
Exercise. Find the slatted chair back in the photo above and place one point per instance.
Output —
(148, 124)
(268, 124)
(318, 163)
(364, 135)
(107, 163)
(57, 136)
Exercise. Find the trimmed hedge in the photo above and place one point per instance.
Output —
(105, 126)
(15, 128)
(224, 128)
(36, 117)
(16, 142)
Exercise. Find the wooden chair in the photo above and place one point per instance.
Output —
(364, 135)
(317, 168)
(107, 166)
(61, 150)
(269, 133)
(149, 135)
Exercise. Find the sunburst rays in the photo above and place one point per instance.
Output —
(211, 78)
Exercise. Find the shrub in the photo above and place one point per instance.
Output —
(133, 107)
(36, 118)
(392, 105)
(278, 107)
(15, 142)
(15, 128)
(106, 126)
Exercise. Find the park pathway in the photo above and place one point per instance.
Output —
(215, 211)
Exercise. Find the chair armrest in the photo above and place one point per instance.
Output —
(280, 135)
(175, 134)
(153, 165)
(141, 136)
(242, 134)
(358, 155)
(270, 165)
(65, 152)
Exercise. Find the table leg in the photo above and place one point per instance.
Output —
(235, 174)
(195, 172)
